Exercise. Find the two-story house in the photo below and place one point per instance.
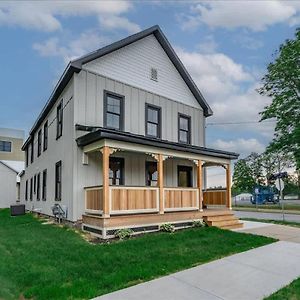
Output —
(121, 142)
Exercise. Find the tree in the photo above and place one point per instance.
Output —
(282, 84)
(254, 161)
(242, 178)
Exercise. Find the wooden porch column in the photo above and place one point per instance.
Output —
(105, 177)
(160, 170)
(199, 184)
(228, 186)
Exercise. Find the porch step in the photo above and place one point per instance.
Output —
(224, 221)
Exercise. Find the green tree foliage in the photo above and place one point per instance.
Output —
(255, 163)
(282, 84)
(243, 180)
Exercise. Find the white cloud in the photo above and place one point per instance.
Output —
(241, 145)
(117, 22)
(208, 45)
(43, 15)
(255, 15)
(249, 42)
(83, 44)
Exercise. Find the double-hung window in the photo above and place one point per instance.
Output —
(44, 185)
(153, 121)
(31, 189)
(151, 173)
(38, 188)
(26, 156)
(113, 111)
(116, 171)
(39, 142)
(59, 120)
(5, 146)
(185, 177)
(26, 190)
(32, 150)
(58, 181)
(45, 142)
(184, 129)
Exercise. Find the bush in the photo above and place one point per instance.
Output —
(123, 233)
(167, 227)
(198, 223)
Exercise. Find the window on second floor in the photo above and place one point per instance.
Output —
(184, 129)
(5, 146)
(45, 142)
(26, 156)
(59, 120)
(153, 121)
(32, 150)
(151, 173)
(113, 111)
(58, 181)
(39, 142)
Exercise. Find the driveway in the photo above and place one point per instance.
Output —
(250, 275)
(267, 216)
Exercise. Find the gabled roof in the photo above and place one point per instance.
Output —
(76, 65)
(15, 166)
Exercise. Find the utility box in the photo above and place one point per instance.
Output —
(17, 210)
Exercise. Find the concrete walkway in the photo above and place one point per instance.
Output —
(280, 232)
(251, 275)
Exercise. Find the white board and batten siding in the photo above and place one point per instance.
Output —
(132, 65)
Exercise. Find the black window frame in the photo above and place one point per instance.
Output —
(4, 146)
(58, 181)
(34, 184)
(45, 138)
(188, 169)
(147, 180)
(26, 157)
(26, 190)
(189, 132)
(122, 170)
(31, 189)
(122, 109)
(59, 119)
(32, 151)
(38, 187)
(39, 152)
(158, 109)
(44, 185)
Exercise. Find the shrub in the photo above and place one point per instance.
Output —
(198, 223)
(167, 227)
(123, 233)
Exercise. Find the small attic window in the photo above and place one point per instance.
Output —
(153, 74)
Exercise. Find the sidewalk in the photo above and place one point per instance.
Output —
(253, 274)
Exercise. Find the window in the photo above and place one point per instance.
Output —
(113, 111)
(31, 189)
(58, 178)
(151, 173)
(154, 74)
(59, 120)
(44, 185)
(153, 120)
(39, 142)
(45, 143)
(26, 157)
(184, 129)
(5, 146)
(116, 171)
(38, 190)
(32, 151)
(185, 176)
(26, 190)
(34, 185)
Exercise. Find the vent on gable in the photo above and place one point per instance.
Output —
(154, 74)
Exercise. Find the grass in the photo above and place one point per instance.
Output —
(291, 292)
(288, 223)
(288, 208)
(50, 262)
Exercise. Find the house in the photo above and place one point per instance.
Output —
(121, 143)
(11, 164)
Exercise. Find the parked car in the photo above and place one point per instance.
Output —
(264, 194)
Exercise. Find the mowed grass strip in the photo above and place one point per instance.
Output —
(49, 262)
(290, 292)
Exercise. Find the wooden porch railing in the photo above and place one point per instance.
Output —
(181, 199)
(93, 199)
(214, 197)
(127, 200)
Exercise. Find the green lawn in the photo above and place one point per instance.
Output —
(290, 292)
(276, 207)
(49, 262)
(288, 223)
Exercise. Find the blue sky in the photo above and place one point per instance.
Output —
(225, 45)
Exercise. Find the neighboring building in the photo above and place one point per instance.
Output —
(11, 164)
(121, 142)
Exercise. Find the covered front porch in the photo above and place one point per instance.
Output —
(143, 186)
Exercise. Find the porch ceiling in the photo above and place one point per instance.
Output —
(98, 137)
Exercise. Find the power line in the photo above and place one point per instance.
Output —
(239, 123)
